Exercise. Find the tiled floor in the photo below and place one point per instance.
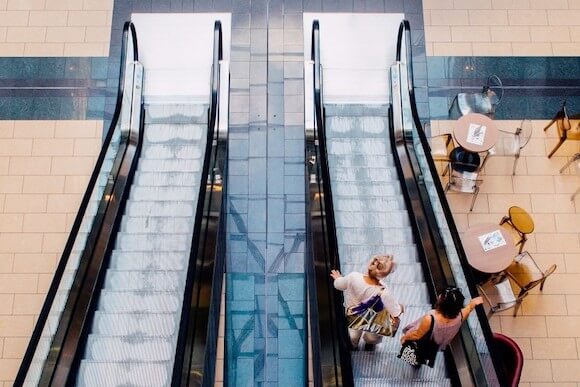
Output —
(546, 327)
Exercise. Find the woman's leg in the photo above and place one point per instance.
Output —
(355, 335)
(371, 340)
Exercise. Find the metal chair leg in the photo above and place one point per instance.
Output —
(574, 158)
(558, 145)
(574, 194)
(475, 192)
(515, 164)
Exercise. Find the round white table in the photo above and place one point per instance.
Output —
(494, 260)
(475, 132)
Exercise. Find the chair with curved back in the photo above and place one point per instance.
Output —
(499, 292)
(463, 181)
(441, 147)
(484, 102)
(568, 127)
(511, 143)
(511, 356)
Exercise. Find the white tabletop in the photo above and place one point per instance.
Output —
(475, 132)
(495, 259)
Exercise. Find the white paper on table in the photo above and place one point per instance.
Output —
(476, 134)
(491, 240)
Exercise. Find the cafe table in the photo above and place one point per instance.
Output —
(475, 132)
(489, 248)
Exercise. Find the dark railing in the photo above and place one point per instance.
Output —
(52, 363)
(198, 330)
(331, 348)
(405, 144)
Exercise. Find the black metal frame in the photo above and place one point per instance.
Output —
(431, 240)
(198, 330)
(111, 201)
(330, 345)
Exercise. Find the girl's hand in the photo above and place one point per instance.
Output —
(335, 274)
(476, 301)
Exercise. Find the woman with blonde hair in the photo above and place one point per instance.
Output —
(359, 288)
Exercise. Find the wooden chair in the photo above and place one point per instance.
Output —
(568, 127)
(521, 222)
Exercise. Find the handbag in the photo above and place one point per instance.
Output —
(365, 317)
(422, 351)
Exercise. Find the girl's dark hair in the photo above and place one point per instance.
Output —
(450, 302)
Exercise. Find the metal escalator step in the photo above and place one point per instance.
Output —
(139, 193)
(378, 365)
(149, 260)
(369, 190)
(147, 324)
(125, 280)
(155, 242)
(356, 127)
(170, 165)
(176, 113)
(353, 235)
(372, 219)
(101, 374)
(156, 224)
(358, 160)
(128, 349)
(363, 174)
(358, 146)
(386, 204)
(360, 255)
(332, 110)
(171, 151)
(139, 302)
(161, 208)
(410, 294)
(172, 133)
(179, 179)
(385, 382)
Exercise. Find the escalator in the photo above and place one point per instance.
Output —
(374, 190)
(133, 300)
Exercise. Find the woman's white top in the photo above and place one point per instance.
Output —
(356, 290)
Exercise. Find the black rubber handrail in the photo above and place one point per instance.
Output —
(331, 347)
(444, 266)
(196, 348)
(128, 33)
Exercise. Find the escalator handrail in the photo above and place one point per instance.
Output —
(405, 29)
(341, 361)
(128, 32)
(192, 325)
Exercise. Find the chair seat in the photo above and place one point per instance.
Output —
(574, 132)
(474, 103)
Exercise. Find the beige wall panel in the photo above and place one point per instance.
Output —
(524, 27)
(47, 27)
(41, 185)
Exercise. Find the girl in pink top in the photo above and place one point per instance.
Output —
(448, 315)
(359, 288)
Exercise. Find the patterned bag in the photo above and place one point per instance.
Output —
(371, 316)
(422, 351)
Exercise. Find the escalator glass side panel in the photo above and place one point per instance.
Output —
(87, 224)
(476, 334)
(461, 281)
